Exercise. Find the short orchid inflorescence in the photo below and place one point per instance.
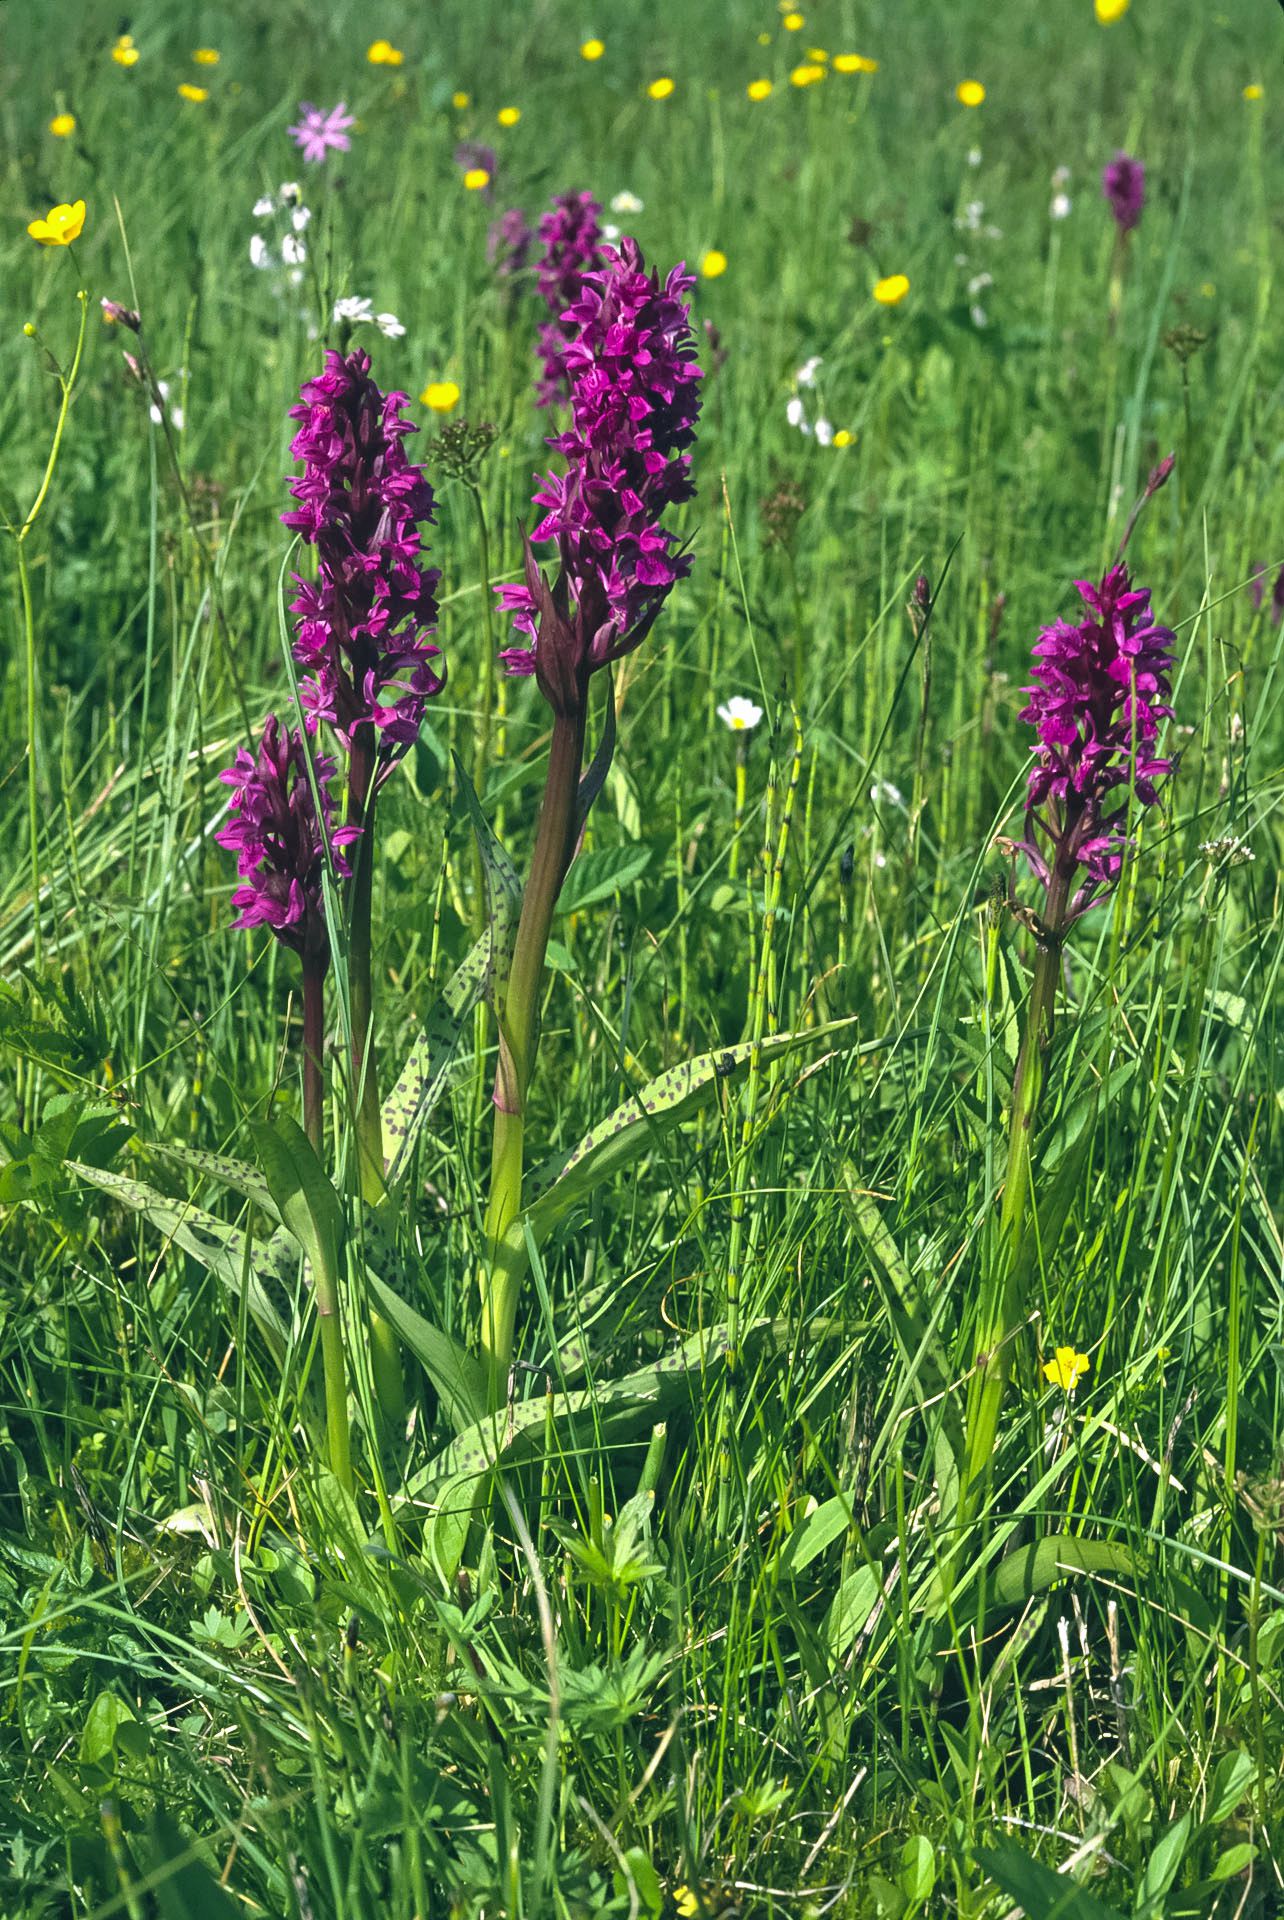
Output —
(634, 405)
(363, 624)
(279, 841)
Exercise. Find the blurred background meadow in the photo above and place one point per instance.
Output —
(701, 1666)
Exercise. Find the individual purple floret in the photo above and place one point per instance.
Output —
(279, 843)
(631, 363)
(363, 625)
(1101, 690)
(319, 130)
(1257, 588)
(509, 243)
(1123, 181)
(572, 241)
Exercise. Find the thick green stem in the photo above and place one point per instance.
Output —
(1002, 1303)
(313, 1047)
(518, 1038)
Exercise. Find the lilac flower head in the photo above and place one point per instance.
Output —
(363, 623)
(572, 241)
(1123, 181)
(318, 130)
(509, 243)
(278, 841)
(630, 359)
(1257, 587)
(1101, 690)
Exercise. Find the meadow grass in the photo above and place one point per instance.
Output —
(724, 1646)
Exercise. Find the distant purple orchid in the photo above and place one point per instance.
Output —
(1257, 588)
(1123, 182)
(509, 243)
(472, 157)
(364, 622)
(278, 841)
(572, 241)
(1101, 690)
(318, 130)
(630, 359)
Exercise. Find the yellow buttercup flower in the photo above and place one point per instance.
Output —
(476, 178)
(60, 226)
(843, 438)
(818, 54)
(206, 56)
(189, 92)
(592, 50)
(806, 75)
(793, 23)
(1066, 1368)
(714, 264)
(440, 395)
(686, 1903)
(758, 89)
(854, 63)
(62, 125)
(460, 100)
(891, 289)
(125, 53)
(764, 39)
(1252, 91)
(661, 89)
(509, 116)
(382, 53)
(1108, 11)
(969, 93)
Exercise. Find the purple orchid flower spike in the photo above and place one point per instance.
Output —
(279, 842)
(1123, 182)
(1101, 690)
(572, 241)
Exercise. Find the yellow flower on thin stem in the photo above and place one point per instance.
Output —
(714, 264)
(818, 55)
(592, 50)
(806, 75)
(460, 100)
(206, 56)
(661, 89)
(189, 92)
(441, 396)
(854, 63)
(476, 178)
(891, 289)
(62, 126)
(382, 53)
(969, 93)
(844, 437)
(1066, 1368)
(793, 23)
(1252, 91)
(60, 226)
(509, 116)
(759, 89)
(1108, 11)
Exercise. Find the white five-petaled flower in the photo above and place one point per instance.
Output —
(884, 794)
(1060, 206)
(741, 715)
(824, 432)
(609, 232)
(354, 309)
(264, 206)
(806, 374)
(259, 256)
(974, 156)
(389, 326)
(300, 217)
(626, 202)
(795, 414)
(293, 250)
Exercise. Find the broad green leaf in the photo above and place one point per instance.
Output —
(1041, 1893)
(1029, 1570)
(637, 1872)
(237, 1175)
(917, 1876)
(1233, 1776)
(1163, 1867)
(222, 1250)
(307, 1203)
(183, 1885)
(455, 1374)
(596, 876)
(663, 1103)
(829, 1522)
(852, 1607)
(102, 1722)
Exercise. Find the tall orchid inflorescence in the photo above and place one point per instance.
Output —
(630, 359)
(1123, 182)
(279, 841)
(1101, 689)
(363, 624)
(572, 242)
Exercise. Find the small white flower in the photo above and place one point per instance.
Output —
(295, 278)
(980, 318)
(1061, 176)
(353, 309)
(609, 232)
(389, 326)
(300, 217)
(178, 419)
(264, 206)
(626, 202)
(741, 715)
(979, 282)
(969, 221)
(884, 794)
(259, 251)
(960, 259)
(1060, 206)
(806, 374)
(974, 156)
(1235, 852)
(289, 193)
(293, 250)
(824, 432)
(795, 414)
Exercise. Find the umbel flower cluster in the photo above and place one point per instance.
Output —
(572, 241)
(279, 842)
(363, 624)
(1101, 690)
(630, 360)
